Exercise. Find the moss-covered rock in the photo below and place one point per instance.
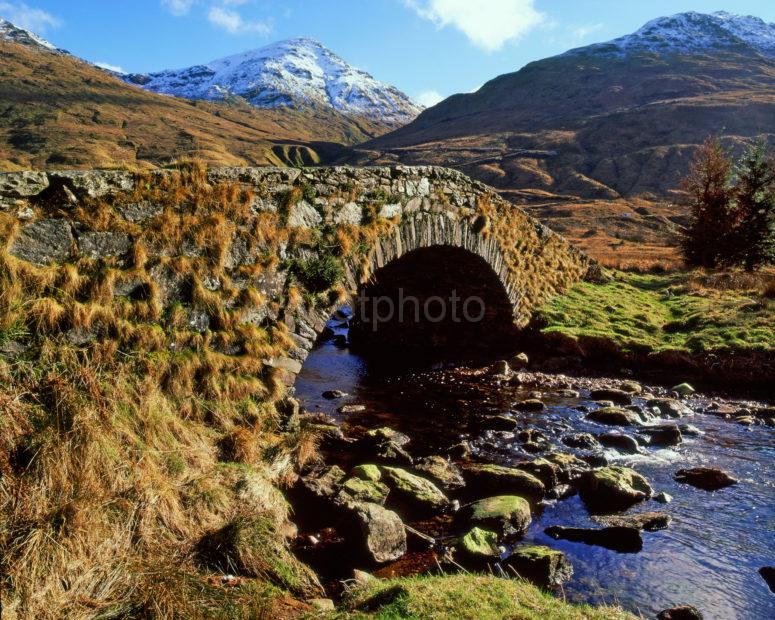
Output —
(613, 488)
(487, 479)
(480, 544)
(542, 565)
(443, 472)
(649, 521)
(358, 490)
(509, 515)
(383, 537)
(416, 494)
(367, 472)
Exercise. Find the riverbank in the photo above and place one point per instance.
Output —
(715, 329)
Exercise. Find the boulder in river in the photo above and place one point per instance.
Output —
(669, 407)
(619, 397)
(615, 416)
(768, 574)
(323, 485)
(334, 394)
(622, 539)
(619, 441)
(480, 544)
(498, 423)
(683, 389)
(386, 445)
(509, 515)
(349, 409)
(544, 566)
(531, 405)
(488, 479)
(584, 441)
(382, 532)
(706, 478)
(613, 488)
(649, 521)
(519, 361)
(442, 471)
(631, 387)
(418, 495)
(680, 612)
(664, 435)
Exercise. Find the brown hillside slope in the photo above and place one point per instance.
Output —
(59, 112)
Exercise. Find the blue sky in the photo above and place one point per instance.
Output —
(428, 48)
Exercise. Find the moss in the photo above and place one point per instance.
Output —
(480, 543)
(364, 491)
(499, 507)
(319, 273)
(662, 313)
(367, 472)
(463, 597)
(415, 488)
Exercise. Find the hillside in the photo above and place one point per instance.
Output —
(57, 111)
(616, 121)
(294, 73)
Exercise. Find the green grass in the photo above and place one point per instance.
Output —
(663, 312)
(479, 597)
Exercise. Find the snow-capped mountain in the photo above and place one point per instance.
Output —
(295, 72)
(10, 32)
(693, 33)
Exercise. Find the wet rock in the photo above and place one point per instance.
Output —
(768, 574)
(690, 430)
(383, 536)
(665, 435)
(543, 566)
(334, 394)
(325, 484)
(583, 408)
(631, 387)
(706, 478)
(546, 471)
(622, 539)
(498, 423)
(663, 498)
(596, 459)
(443, 472)
(669, 407)
(565, 393)
(584, 441)
(613, 488)
(619, 397)
(530, 405)
(486, 479)
(615, 416)
(385, 433)
(480, 544)
(386, 445)
(461, 450)
(519, 361)
(561, 491)
(500, 369)
(683, 389)
(417, 494)
(350, 409)
(680, 612)
(532, 435)
(508, 515)
(359, 490)
(619, 441)
(44, 242)
(649, 521)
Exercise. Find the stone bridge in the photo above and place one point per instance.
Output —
(213, 252)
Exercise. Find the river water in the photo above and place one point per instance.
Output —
(710, 555)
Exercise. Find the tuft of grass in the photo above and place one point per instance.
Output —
(463, 597)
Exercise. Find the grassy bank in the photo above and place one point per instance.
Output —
(461, 597)
(709, 323)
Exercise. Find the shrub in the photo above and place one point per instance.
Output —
(319, 273)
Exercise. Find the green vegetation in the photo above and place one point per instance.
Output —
(681, 312)
(461, 597)
(319, 273)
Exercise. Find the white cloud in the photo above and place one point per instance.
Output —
(178, 7)
(428, 98)
(582, 32)
(29, 18)
(232, 22)
(488, 24)
(109, 67)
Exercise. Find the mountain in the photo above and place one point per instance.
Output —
(58, 111)
(615, 123)
(293, 73)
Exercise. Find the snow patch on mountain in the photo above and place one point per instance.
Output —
(693, 33)
(10, 32)
(295, 72)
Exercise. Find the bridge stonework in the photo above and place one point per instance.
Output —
(160, 238)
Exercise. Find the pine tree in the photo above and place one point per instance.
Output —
(754, 237)
(708, 239)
